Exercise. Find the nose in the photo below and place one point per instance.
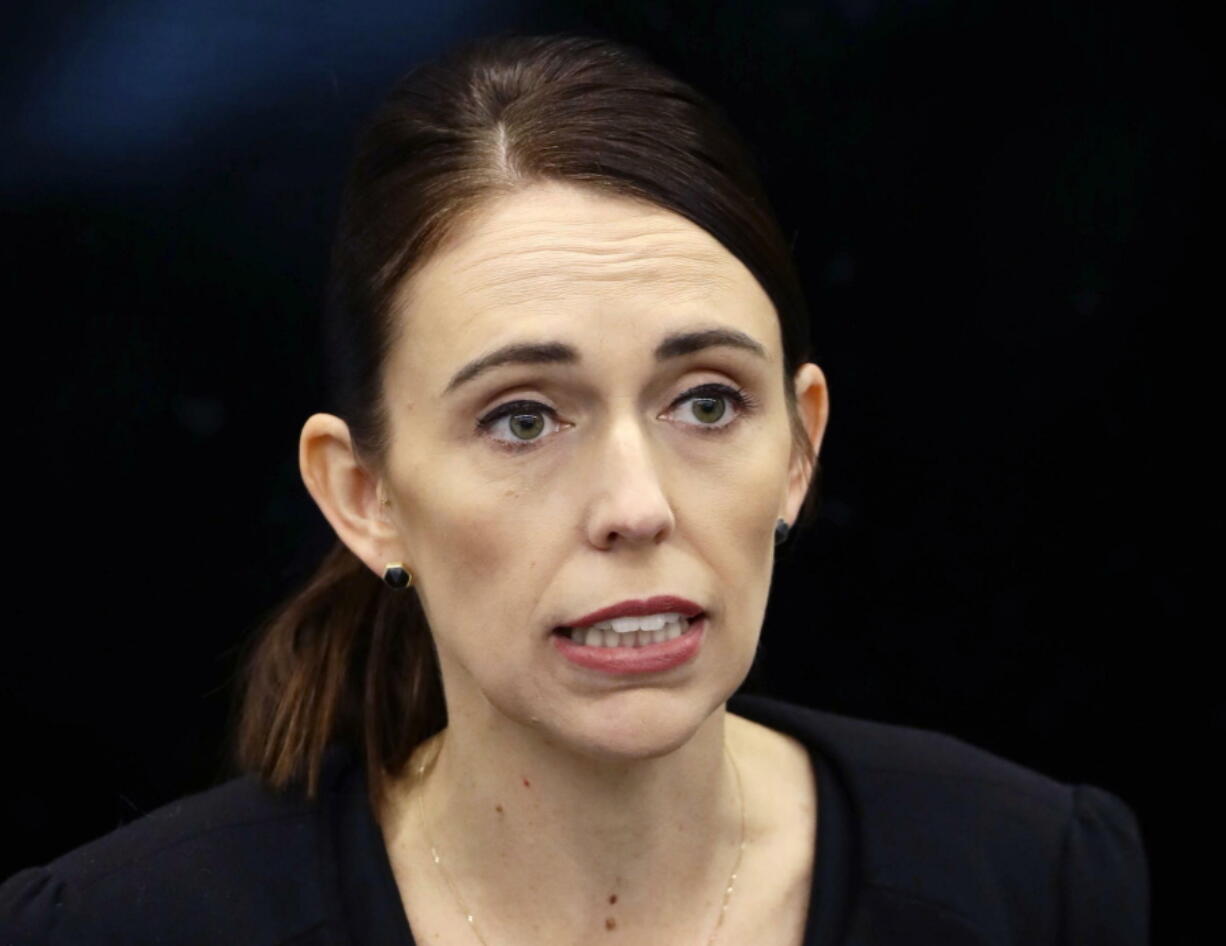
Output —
(628, 498)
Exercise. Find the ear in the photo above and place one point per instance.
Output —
(812, 400)
(347, 494)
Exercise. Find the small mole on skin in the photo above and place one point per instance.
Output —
(527, 784)
(612, 898)
(610, 923)
(498, 808)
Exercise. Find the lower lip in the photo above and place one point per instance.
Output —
(648, 658)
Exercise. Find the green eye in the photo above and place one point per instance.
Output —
(529, 431)
(525, 419)
(710, 404)
(709, 409)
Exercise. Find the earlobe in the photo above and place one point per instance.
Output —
(345, 493)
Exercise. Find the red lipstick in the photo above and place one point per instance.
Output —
(660, 604)
(645, 658)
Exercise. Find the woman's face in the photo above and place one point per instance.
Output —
(611, 478)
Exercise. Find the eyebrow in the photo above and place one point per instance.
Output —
(536, 353)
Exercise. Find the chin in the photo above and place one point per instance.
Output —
(636, 724)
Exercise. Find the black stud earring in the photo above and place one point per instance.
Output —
(397, 576)
(781, 532)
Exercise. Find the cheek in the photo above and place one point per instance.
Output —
(744, 498)
(472, 535)
(744, 489)
(476, 548)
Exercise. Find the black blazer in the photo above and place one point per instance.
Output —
(923, 840)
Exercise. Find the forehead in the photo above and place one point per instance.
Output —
(558, 261)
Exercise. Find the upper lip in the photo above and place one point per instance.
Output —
(660, 604)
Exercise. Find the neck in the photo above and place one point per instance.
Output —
(536, 837)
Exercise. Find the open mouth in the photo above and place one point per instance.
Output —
(635, 650)
(648, 632)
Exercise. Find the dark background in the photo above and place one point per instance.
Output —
(1002, 218)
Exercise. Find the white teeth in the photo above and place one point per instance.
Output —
(599, 636)
(648, 622)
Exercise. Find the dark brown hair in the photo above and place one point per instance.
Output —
(345, 658)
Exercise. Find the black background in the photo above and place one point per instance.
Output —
(1002, 217)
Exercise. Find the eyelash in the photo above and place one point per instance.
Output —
(745, 402)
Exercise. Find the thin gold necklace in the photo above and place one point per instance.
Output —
(468, 913)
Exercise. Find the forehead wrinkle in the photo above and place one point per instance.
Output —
(528, 241)
(627, 239)
(552, 274)
(516, 227)
(664, 281)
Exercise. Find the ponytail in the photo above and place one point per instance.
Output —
(345, 659)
